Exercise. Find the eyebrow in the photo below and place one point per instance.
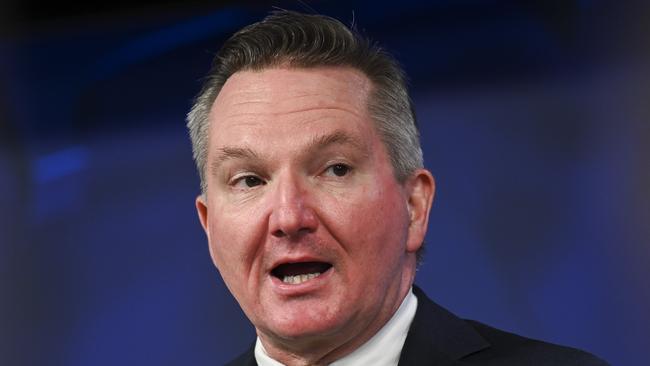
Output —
(226, 153)
(318, 143)
(335, 138)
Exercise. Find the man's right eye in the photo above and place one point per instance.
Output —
(248, 181)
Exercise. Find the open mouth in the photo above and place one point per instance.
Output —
(297, 273)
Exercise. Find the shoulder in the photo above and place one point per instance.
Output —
(509, 348)
(440, 336)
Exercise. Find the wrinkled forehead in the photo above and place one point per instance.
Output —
(288, 90)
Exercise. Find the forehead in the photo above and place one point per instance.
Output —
(277, 95)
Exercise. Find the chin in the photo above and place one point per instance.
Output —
(305, 324)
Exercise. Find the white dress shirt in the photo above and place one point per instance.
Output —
(383, 349)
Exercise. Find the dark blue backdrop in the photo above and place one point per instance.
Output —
(534, 120)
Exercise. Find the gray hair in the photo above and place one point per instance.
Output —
(303, 41)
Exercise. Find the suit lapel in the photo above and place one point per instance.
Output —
(437, 336)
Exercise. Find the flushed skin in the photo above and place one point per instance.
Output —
(297, 173)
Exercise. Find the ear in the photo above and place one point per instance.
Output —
(421, 190)
(202, 211)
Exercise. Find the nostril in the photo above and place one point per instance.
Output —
(279, 233)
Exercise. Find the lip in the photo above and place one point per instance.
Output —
(290, 290)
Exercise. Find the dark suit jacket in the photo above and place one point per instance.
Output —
(437, 337)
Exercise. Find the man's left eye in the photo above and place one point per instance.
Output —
(338, 170)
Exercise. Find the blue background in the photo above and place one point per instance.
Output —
(534, 119)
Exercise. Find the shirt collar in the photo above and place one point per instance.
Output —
(383, 349)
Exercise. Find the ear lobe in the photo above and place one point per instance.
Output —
(202, 211)
(422, 187)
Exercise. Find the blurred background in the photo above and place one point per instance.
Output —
(535, 120)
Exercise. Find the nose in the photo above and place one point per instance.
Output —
(292, 214)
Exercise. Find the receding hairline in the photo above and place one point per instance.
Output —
(360, 80)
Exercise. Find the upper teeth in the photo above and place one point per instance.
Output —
(299, 278)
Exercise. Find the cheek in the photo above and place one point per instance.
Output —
(233, 242)
(222, 252)
(385, 209)
(376, 224)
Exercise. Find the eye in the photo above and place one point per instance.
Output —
(338, 170)
(248, 181)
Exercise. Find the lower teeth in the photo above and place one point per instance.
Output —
(294, 280)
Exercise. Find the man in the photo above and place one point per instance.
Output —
(315, 204)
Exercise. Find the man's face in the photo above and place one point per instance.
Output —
(306, 222)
